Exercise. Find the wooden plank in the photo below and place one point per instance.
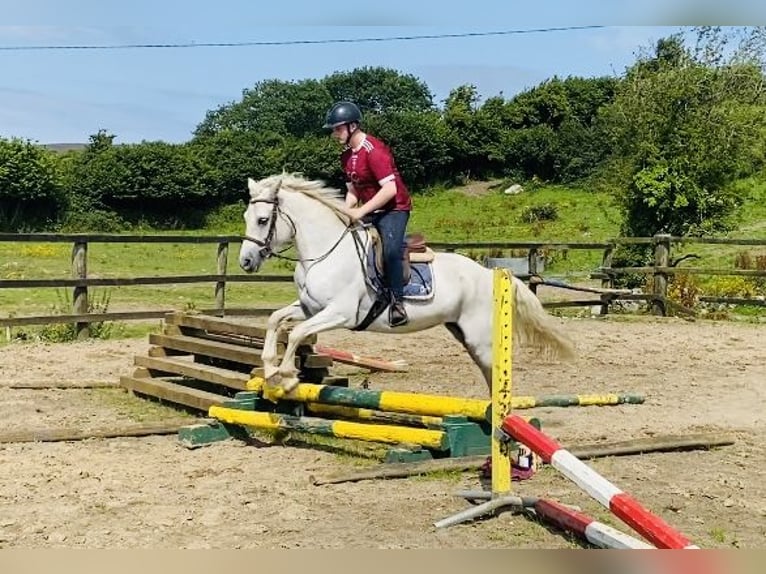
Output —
(173, 392)
(573, 303)
(85, 318)
(216, 325)
(224, 326)
(228, 351)
(252, 343)
(124, 316)
(217, 375)
(684, 270)
(111, 431)
(663, 443)
(148, 280)
(163, 352)
(451, 246)
(733, 300)
(583, 452)
(208, 348)
(115, 238)
(371, 363)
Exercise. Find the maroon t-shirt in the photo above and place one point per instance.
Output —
(371, 166)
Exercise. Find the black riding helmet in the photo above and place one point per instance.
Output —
(342, 113)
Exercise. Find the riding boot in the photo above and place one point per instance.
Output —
(397, 316)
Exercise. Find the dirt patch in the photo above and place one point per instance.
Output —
(153, 493)
(480, 188)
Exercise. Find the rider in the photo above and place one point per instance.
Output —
(373, 179)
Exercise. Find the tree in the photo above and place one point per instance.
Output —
(555, 134)
(380, 90)
(298, 109)
(419, 141)
(285, 108)
(475, 132)
(31, 194)
(683, 130)
(161, 183)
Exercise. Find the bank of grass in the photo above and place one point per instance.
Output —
(547, 214)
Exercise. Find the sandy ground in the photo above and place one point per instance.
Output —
(152, 492)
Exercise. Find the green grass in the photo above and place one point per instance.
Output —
(581, 215)
(137, 409)
(110, 260)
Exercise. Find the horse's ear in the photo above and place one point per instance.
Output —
(251, 184)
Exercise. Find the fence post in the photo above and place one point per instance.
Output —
(220, 286)
(80, 294)
(661, 259)
(608, 281)
(532, 268)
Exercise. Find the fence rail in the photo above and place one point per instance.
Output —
(79, 281)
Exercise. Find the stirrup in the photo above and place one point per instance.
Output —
(397, 315)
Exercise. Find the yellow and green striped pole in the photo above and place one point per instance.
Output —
(429, 405)
(392, 401)
(502, 365)
(372, 415)
(389, 434)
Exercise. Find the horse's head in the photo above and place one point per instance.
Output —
(267, 228)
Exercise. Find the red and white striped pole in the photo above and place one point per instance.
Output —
(622, 505)
(597, 533)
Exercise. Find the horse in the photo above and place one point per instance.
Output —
(335, 291)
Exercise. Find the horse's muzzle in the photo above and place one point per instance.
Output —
(250, 263)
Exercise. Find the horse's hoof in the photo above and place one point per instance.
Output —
(272, 389)
(289, 384)
(270, 371)
(273, 394)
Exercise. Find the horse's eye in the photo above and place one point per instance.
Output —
(262, 220)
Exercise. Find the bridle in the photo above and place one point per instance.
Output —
(266, 250)
(265, 245)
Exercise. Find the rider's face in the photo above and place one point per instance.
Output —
(342, 133)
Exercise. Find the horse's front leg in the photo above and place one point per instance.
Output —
(274, 326)
(325, 320)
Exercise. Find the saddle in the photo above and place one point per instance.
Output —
(415, 251)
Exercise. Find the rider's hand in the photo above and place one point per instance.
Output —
(355, 213)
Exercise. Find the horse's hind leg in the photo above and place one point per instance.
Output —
(478, 346)
(274, 326)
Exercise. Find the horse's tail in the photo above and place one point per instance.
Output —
(533, 326)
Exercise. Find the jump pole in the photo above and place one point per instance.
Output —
(619, 503)
(389, 434)
(421, 404)
(502, 368)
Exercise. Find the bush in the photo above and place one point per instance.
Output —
(536, 213)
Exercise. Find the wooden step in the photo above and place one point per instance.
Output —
(173, 392)
(229, 351)
(230, 338)
(216, 375)
(224, 326)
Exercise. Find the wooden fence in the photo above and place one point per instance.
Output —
(663, 268)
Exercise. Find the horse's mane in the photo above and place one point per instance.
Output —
(313, 188)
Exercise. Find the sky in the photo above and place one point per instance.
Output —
(52, 93)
